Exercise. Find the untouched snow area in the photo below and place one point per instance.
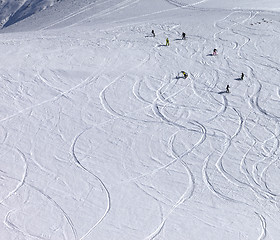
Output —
(100, 138)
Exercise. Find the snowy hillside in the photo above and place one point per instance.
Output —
(12, 11)
(103, 138)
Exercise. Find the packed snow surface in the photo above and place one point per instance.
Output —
(102, 138)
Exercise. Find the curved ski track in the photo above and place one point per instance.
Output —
(79, 164)
(257, 156)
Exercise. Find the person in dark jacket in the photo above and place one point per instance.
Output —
(227, 89)
(242, 76)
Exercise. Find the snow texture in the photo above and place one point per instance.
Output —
(103, 138)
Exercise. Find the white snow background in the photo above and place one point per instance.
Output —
(101, 140)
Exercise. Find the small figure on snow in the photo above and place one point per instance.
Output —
(153, 33)
(183, 36)
(167, 42)
(227, 89)
(185, 75)
(182, 74)
(214, 52)
(242, 76)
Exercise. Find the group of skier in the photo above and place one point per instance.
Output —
(167, 40)
(241, 78)
(184, 74)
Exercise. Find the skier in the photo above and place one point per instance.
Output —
(183, 36)
(153, 33)
(214, 52)
(185, 75)
(167, 42)
(227, 89)
(242, 76)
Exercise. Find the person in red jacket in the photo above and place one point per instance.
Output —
(214, 52)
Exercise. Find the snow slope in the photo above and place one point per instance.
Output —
(12, 11)
(100, 138)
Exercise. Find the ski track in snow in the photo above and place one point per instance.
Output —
(263, 227)
(211, 186)
(156, 105)
(76, 13)
(102, 95)
(122, 5)
(21, 183)
(12, 226)
(214, 115)
(253, 184)
(197, 144)
(90, 78)
(180, 4)
(186, 195)
(80, 165)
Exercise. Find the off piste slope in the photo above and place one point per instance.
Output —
(12, 11)
(101, 138)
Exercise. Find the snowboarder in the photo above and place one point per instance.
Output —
(214, 52)
(167, 42)
(242, 76)
(227, 89)
(185, 75)
(153, 33)
(183, 36)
